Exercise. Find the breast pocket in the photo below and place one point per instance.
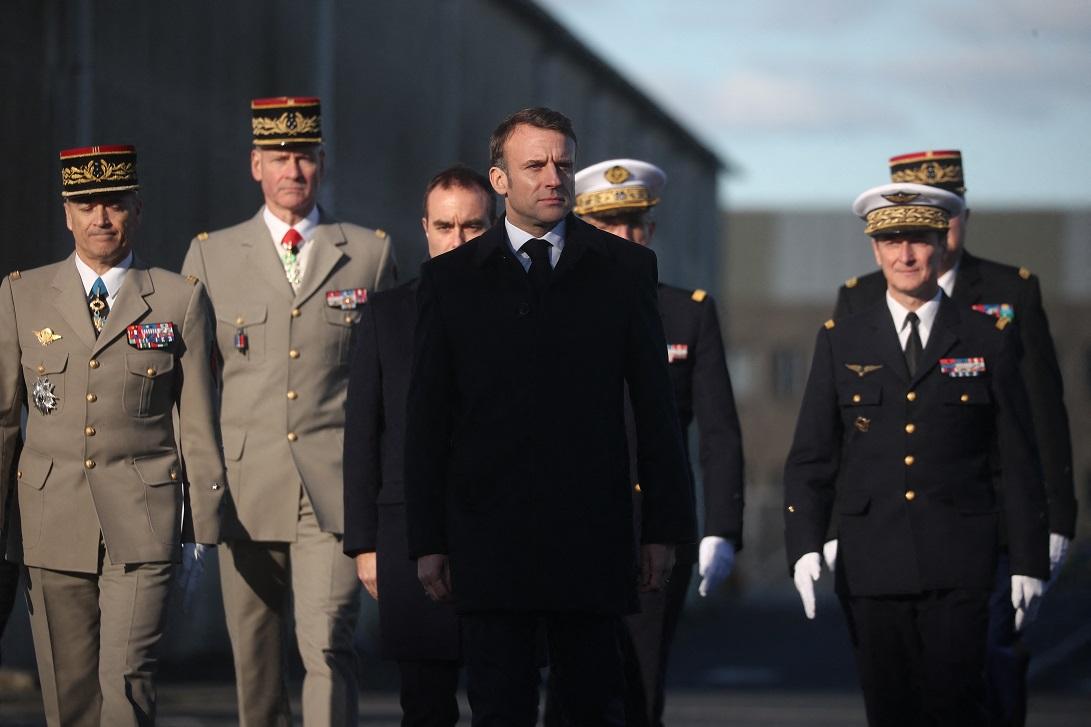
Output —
(241, 332)
(44, 372)
(969, 394)
(149, 383)
(340, 324)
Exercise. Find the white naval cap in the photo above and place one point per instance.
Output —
(618, 184)
(903, 207)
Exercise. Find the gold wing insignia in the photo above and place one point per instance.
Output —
(46, 336)
(863, 370)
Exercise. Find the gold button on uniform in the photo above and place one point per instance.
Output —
(19, 474)
(92, 398)
(151, 372)
(89, 431)
(964, 398)
(909, 460)
(912, 396)
(637, 487)
(93, 363)
(791, 508)
(239, 321)
(214, 486)
(89, 464)
(292, 395)
(292, 436)
(293, 353)
(910, 428)
(174, 474)
(296, 312)
(41, 369)
(348, 319)
(855, 398)
(909, 495)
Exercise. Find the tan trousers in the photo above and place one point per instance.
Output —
(257, 579)
(96, 639)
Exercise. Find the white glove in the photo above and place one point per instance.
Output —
(805, 573)
(1058, 551)
(829, 553)
(715, 559)
(1025, 595)
(193, 568)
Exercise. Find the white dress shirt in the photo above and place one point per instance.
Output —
(926, 313)
(112, 278)
(305, 227)
(947, 280)
(517, 238)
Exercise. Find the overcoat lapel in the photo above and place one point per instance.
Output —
(129, 306)
(324, 257)
(71, 301)
(262, 256)
(943, 337)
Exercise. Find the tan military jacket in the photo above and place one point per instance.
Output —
(283, 385)
(100, 452)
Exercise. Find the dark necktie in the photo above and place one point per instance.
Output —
(913, 347)
(96, 302)
(540, 269)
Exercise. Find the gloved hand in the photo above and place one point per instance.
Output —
(1026, 593)
(715, 560)
(805, 573)
(829, 553)
(193, 568)
(1058, 551)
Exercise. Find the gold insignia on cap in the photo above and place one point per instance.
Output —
(15, 275)
(699, 295)
(202, 236)
(863, 370)
(380, 233)
(1001, 323)
(46, 336)
(901, 197)
(913, 217)
(192, 279)
(830, 324)
(1024, 273)
(617, 174)
(851, 282)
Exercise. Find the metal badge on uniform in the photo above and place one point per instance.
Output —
(44, 395)
(1000, 310)
(46, 336)
(145, 336)
(962, 367)
(862, 423)
(677, 352)
(863, 370)
(346, 299)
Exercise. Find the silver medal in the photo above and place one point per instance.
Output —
(45, 400)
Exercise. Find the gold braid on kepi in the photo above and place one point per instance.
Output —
(286, 121)
(613, 199)
(941, 169)
(910, 217)
(98, 170)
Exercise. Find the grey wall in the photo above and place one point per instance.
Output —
(408, 88)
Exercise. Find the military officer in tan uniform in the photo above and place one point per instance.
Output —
(101, 350)
(287, 286)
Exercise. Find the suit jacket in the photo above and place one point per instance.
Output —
(981, 281)
(101, 454)
(905, 461)
(516, 460)
(411, 626)
(702, 391)
(282, 394)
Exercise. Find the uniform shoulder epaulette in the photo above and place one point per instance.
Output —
(380, 233)
(699, 295)
(192, 279)
(1001, 323)
(1024, 273)
(851, 282)
(202, 236)
(15, 275)
(830, 324)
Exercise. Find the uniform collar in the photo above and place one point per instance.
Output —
(278, 227)
(112, 278)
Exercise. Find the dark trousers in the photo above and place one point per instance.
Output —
(921, 658)
(429, 693)
(9, 584)
(1006, 659)
(501, 655)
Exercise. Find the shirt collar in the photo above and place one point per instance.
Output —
(926, 314)
(277, 227)
(112, 278)
(947, 280)
(518, 237)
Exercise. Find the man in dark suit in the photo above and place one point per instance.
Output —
(906, 403)
(517, 476)
(1011, 294)
(420, 634)
(617, 196)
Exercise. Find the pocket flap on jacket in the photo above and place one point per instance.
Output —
(160, 469)
(859, 394)
(966, 392)
(149, 363)
(242, 316)
(34, 468)
(45, 361)
(853, 503)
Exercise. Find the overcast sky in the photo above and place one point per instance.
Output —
(808, 100)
